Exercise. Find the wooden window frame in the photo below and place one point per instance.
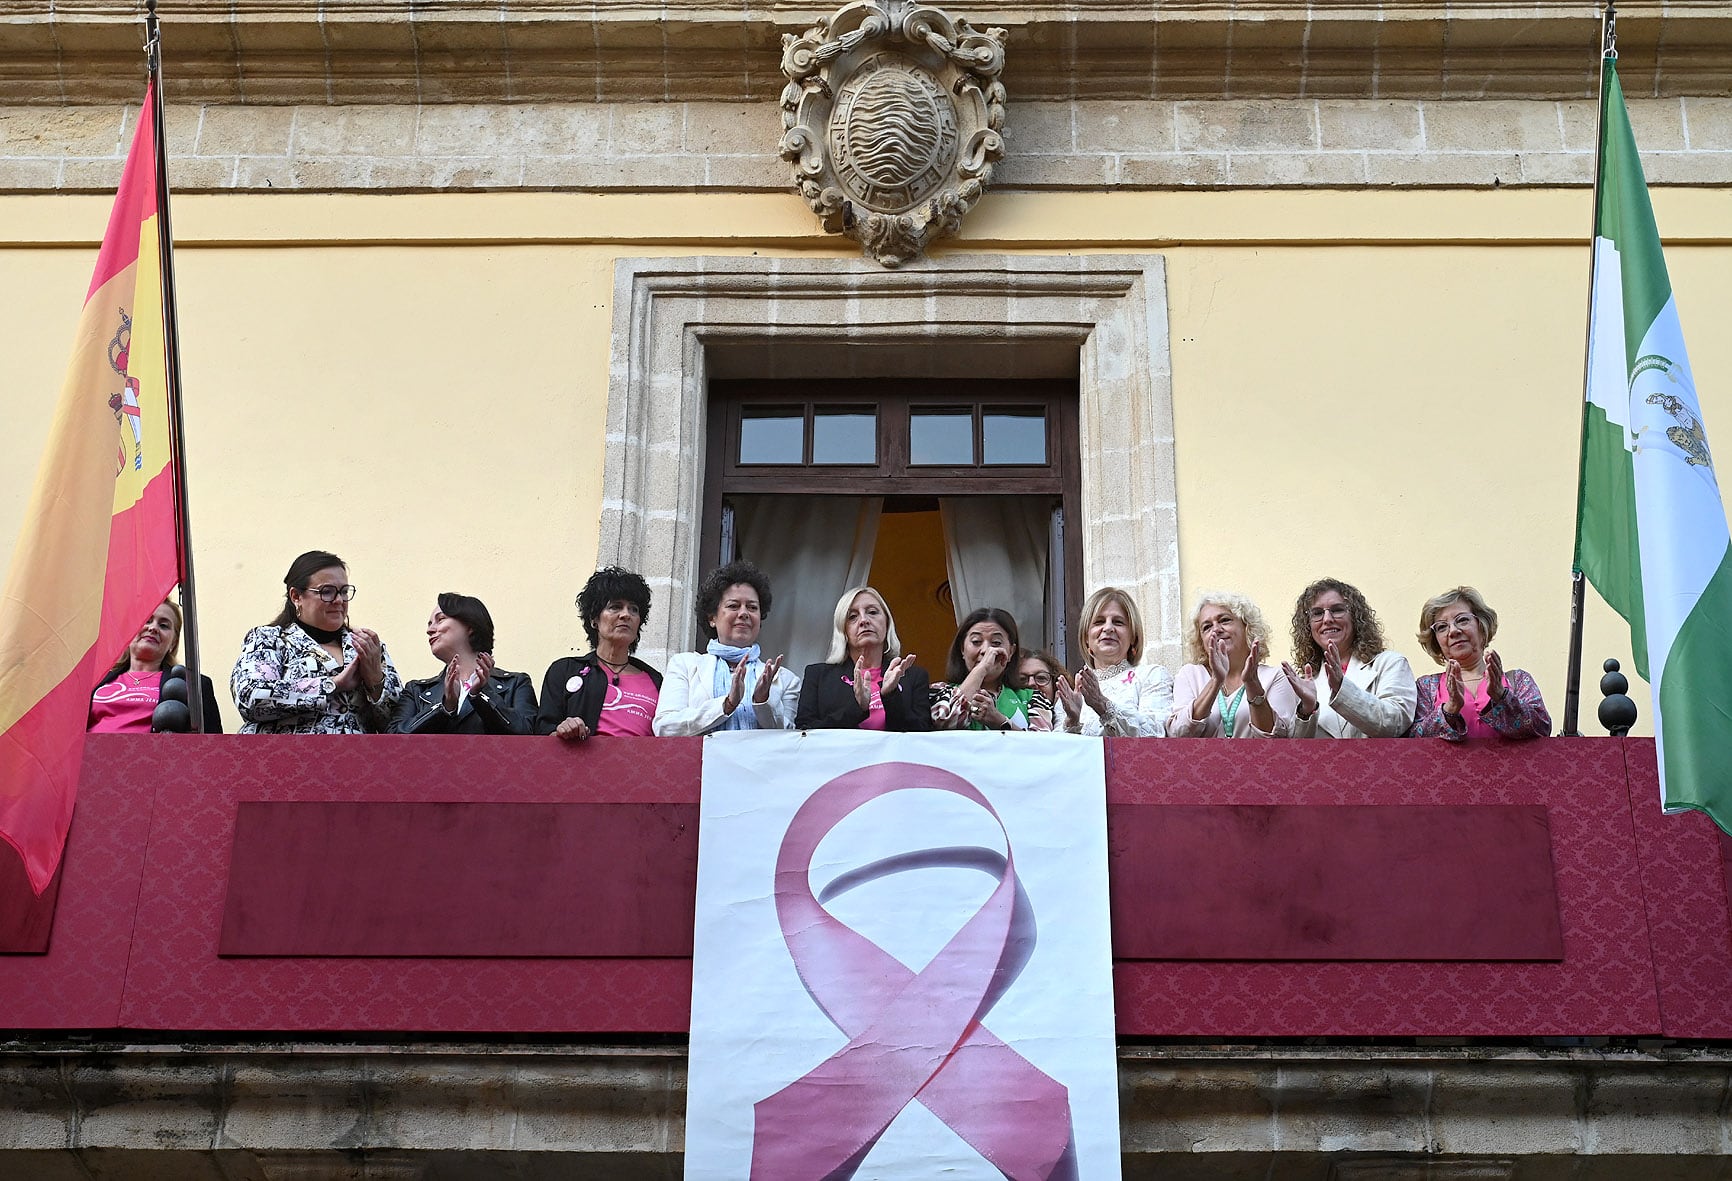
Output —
(894, 476)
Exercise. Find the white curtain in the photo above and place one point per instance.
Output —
(813, 548)
(996, 548)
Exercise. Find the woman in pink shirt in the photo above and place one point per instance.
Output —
(609, 691)
(125, 700)
(1474, 696)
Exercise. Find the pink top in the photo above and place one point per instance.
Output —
(875, 702)
(629, 706)
(125, 704)
(1474, 701)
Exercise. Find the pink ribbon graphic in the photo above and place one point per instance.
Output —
(913, 1036)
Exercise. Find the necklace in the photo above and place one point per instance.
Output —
(1230, 710)
(616, 669)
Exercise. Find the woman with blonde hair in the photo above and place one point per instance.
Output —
(1473, 697)
(1111, 694)
(865, 683)
(1227, 691)
(1350, 685)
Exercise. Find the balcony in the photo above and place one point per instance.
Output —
(452, 957)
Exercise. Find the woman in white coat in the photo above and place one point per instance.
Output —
(729, 685)
(1350, 685)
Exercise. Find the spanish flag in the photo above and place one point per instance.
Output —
(97, 550)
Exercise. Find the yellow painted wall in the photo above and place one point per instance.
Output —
(1380, 386)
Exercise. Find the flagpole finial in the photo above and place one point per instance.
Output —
(152, 37)
(1609, 39)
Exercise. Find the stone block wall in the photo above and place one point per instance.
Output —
(1075, 144)
(682, 95)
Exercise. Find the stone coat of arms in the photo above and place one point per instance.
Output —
(893, 117)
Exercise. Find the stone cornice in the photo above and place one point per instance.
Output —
(300, 51)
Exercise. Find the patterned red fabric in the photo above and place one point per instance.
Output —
(1642, 898)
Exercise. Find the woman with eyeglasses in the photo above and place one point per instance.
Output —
(1042, 672)
(1349, 685)
(307, 671)
(1474, 696)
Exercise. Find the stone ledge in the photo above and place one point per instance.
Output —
(395, 51)
(484, 1111)
(601, 147)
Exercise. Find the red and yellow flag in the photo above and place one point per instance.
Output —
(97, 550)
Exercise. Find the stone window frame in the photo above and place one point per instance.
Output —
(678, 322)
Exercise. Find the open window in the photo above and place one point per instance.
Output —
(946, 496)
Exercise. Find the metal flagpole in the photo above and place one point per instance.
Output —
(171, 353)
(1578, 581)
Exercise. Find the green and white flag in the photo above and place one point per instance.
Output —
(1650, 528)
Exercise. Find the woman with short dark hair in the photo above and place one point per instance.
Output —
(307, 671)
(471, 696)
(707, 691)
(609, 691)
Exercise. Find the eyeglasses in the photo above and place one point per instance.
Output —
(1040, 678)
(330, 594)
(1460, 623)
(1338, 611)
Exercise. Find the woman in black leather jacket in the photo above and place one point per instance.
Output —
(608, 691)
(471, 696)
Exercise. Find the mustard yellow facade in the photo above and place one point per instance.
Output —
(1383, 387)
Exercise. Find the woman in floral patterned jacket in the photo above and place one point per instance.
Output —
(1474, 696)
(307, 671)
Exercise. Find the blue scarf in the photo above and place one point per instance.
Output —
(744, 718)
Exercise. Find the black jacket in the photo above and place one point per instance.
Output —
(828, 704)
(558, 702)
(505, 705)
(213, 721)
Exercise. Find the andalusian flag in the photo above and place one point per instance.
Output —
(1651, 531)
(97, 551)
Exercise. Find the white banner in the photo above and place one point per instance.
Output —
(902, 965)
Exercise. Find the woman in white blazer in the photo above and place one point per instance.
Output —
(1349, 684)
(729, 685)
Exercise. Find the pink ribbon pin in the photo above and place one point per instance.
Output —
(913, 1036)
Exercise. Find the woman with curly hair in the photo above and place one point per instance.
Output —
(609, 691)
(1365, 690)
(1227, 691)
(707, 691)
(1473, 697)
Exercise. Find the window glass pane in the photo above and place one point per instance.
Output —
(844, 434)
(772, 434)
(941, 436)
(1015, 435)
